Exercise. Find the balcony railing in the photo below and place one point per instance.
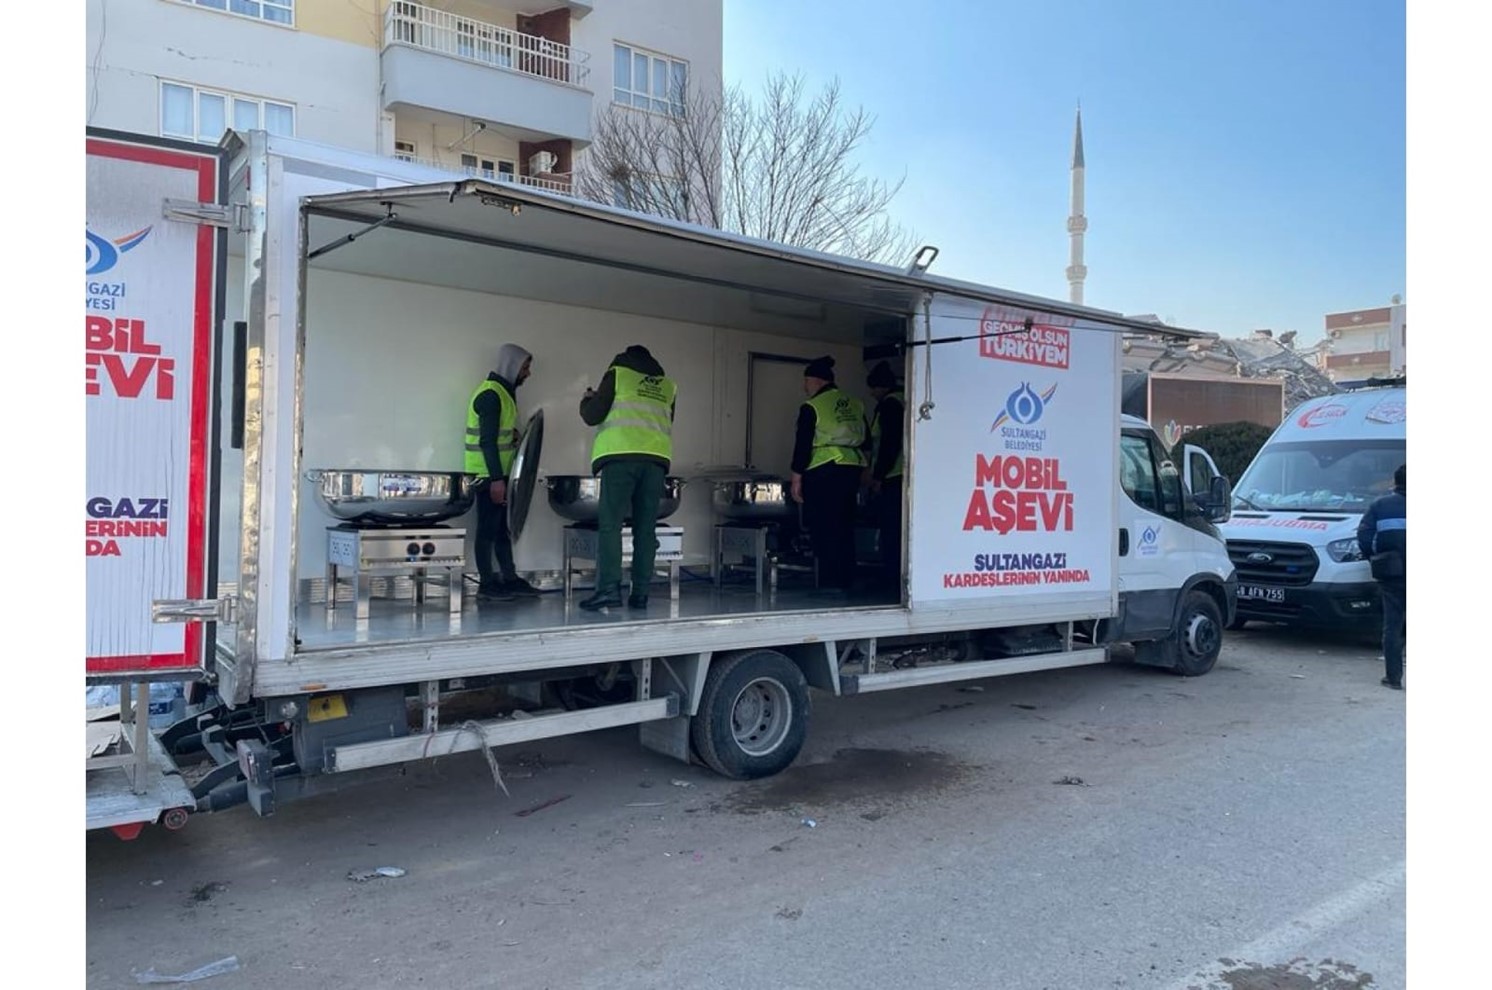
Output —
(559, 183)
(445, 33)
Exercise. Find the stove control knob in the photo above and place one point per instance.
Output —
(429, 549)
(413, 549)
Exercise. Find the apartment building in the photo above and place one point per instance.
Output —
(507, 89)
(1365, 343)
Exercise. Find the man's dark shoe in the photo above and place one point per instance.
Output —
(1390, 684)
(521, 588)
(637, 601)
(493, 592)
(602, 599)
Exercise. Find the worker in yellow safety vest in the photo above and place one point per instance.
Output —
(491, 444)
(882, 476)
(633, 411)
(828, 455)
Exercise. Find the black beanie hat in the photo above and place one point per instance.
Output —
(820, 368)
(881, 376)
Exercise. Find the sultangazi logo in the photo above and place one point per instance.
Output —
(1024, 406)
(103, 254)
(1149, 536)
(1321, 416)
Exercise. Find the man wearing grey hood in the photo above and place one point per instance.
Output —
(492, 436)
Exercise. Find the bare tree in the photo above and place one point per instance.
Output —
(780, 168)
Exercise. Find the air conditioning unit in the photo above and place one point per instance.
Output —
(542, 162)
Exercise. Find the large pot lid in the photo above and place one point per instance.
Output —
(525, 474)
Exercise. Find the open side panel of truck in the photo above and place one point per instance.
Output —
(1013, 494)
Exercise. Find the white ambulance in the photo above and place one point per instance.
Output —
(1293, 533)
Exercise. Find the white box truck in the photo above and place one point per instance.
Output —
(1293, 534)
(283, 340)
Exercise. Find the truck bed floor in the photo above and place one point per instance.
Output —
(399, 620)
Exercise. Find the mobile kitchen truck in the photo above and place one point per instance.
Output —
(282, 339)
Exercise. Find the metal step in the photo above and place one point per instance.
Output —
(496, 732)
(112, 802)
(947, 673)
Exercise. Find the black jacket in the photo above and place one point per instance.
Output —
(1382, 527)
(594, 407)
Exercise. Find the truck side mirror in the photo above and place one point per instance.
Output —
(1218, 507)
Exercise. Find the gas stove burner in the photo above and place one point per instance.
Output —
(386, 527)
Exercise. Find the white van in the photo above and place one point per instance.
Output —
(1293, 534)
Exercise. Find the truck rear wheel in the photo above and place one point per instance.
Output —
(753, 715)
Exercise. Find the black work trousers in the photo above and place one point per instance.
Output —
(1394, 625)
(829, 508)
(493, 539)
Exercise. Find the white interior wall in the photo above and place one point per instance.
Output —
(390, 366)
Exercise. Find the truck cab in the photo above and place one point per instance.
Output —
(1176, 582)
(1293, 532)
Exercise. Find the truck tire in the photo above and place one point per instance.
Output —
(753, 715)
(1198, 639)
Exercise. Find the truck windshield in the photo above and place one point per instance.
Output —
(1320, 476)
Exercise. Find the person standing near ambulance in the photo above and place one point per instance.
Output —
(633, 411)
(1382, 536)
(828, 455)
(492, 437)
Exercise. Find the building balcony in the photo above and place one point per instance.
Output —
(436, 60)
(554, 182)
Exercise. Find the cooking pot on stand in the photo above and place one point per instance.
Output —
(392, 498)
(762, 498)
(577, 497)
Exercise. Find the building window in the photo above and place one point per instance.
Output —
(483, 167)
(649, 81)
(1380, 340)
(662, 195)
(274, 11)
(203, 115)
(404, 151)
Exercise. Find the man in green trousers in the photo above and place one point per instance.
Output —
(632, 410)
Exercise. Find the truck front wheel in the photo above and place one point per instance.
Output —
(1198, 638)
(1195, 641)
(753, 715)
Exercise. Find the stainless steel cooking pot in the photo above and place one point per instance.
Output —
(757, 499)
(577, 497)
(392, 498)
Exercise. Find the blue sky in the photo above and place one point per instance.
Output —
(1245, 159)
